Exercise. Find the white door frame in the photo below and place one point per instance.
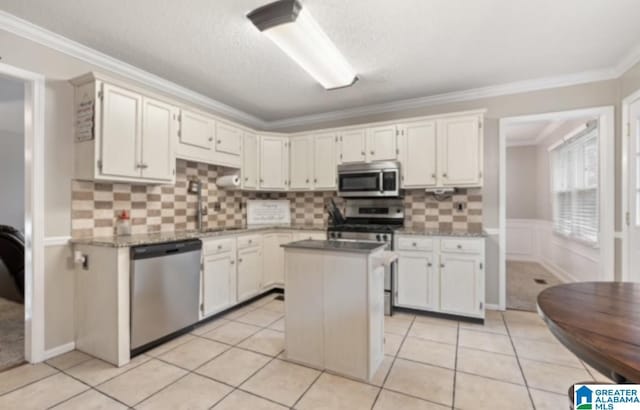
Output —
(34, 101)
(624, 206)
(607, 188)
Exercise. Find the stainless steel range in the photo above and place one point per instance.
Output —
(372, 220)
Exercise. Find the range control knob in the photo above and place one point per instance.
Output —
(385, 238)
(378, 238)
(339, 234)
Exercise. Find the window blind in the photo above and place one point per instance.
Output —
(575, 174)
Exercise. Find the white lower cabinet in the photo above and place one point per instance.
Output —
(218, 280)
(273, 258)
(461, 284)
(249, 272)
(218, 275)
(441, 275)
(419, 279)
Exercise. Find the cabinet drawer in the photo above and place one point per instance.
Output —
(211, 247)
(415, 243)
(249, 241)
(461, 245)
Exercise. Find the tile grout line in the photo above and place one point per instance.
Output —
(307, 389)
(395, 357)
(33, 381)
(455, 368)
(513, 346)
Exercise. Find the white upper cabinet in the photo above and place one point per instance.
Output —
(137, 139)
(418, 154)
(301, 168)
(381, 143)
(460, 151)
(158, 136)
(228, 138)
(324, 162)
(274, 162)
(121, 131)
(250, 160)
(196, 129)
(353, 146)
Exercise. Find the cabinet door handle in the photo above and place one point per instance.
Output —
(246, 178)
(261, 180)
(414, 244)
(442, 265)
(218, 142)
(219, 246)
(210, 139)
(233, 262)
(433, 175)
(315, 180)
(459, 246)
(444, 175)
(362, 153)
(429, 264)
(372, 152)
(307, 181)
(239, 260)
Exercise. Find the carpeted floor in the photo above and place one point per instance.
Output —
(522, 289)
(11, 333)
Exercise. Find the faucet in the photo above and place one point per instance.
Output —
(195, 187)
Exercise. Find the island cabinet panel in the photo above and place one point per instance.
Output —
(335, 310)
(304, 309)
(346, 313)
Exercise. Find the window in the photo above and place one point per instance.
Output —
(575, 178)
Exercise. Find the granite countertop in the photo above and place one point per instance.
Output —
(436, 232)
(336, 246)
(160, 237)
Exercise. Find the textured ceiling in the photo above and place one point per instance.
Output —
(401, 49)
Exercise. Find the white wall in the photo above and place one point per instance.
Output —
(522, 184)
(12, 153)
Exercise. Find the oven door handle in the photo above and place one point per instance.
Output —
(381, 179)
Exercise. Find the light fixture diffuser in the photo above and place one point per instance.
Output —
(294, 30)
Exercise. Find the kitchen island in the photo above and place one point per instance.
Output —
(335, 305)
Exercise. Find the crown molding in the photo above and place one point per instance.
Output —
(446, 98)
(40, 35)
(30, 31)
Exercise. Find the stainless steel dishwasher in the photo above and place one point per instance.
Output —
(165, 288)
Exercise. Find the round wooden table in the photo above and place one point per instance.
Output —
(599, 322)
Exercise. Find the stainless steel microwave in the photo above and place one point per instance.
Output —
(377, 179)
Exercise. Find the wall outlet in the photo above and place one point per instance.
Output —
(217, 206)
(459, 206)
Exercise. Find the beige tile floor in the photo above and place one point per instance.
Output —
(236, 362)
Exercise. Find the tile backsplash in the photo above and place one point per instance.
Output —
(155, 208)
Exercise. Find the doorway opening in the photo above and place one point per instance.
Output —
(12, 222)
(556, 202)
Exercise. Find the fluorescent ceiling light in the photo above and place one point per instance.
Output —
(295, 31)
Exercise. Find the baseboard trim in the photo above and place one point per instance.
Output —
(557, 271)
(58, 350)
(492, 306)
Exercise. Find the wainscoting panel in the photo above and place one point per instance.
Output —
(534, 240)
